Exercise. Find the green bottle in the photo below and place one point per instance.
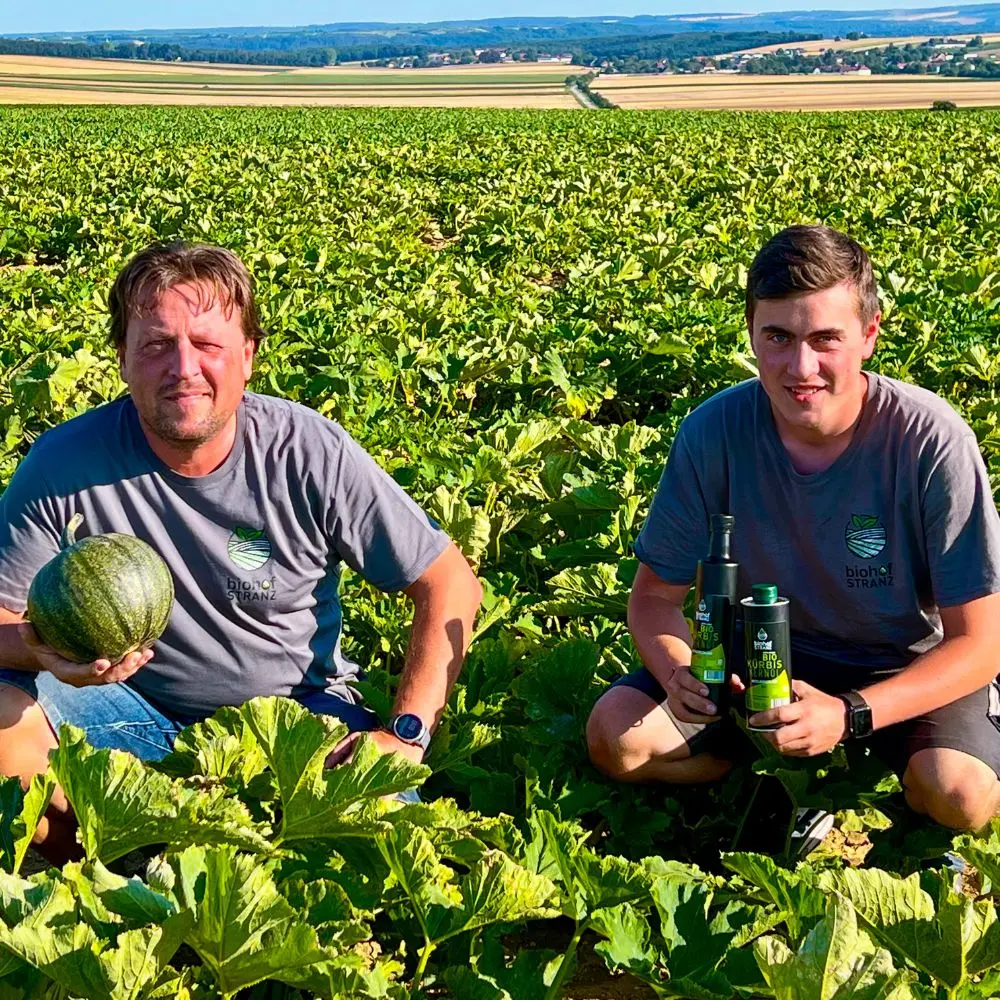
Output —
(767, 641)
(714, 611)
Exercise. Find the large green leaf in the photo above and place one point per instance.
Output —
(243, 929)
(122, 804)
(318, 802)
(494, 890)
(958, 939)
(836, 961)
(795, 893)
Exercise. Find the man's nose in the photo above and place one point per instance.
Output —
(804, 362)
(185, 361)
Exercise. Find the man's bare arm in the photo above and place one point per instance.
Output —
(14, 652)
(656, 621)
(967, 659)
(445, 598)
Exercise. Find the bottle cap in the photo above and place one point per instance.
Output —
(722, 522)
(764, 593)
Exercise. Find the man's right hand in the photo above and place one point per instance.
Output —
(81, 674)
(686, 696)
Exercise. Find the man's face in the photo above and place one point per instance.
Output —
(810, 349)
(186, 362)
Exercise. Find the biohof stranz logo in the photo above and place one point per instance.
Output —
(249, 549)
(865, 536)
(701, 614)
(762, 642)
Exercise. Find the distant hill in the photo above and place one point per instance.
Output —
(540, 30)
(339, 42)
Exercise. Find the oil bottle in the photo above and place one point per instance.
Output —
(767, 642)
(714, 612)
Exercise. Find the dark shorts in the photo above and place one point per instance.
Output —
(970, 724)
(117, 717)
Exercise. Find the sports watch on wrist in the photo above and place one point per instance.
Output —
(859, 715)
(410, 728)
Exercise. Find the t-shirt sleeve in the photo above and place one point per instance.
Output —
(28, 535)
(961, 525)
(375, 527)
(675, 534)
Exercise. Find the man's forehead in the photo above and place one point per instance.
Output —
(195, 303)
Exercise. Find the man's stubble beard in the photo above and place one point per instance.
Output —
(168, 429)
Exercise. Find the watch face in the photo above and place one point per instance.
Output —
(408, 727)
(861, 721)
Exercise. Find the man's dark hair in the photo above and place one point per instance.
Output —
(811, 259)
(157, 268)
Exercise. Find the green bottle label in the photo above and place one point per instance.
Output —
(769, 684)
(708, 658)
(709, 666)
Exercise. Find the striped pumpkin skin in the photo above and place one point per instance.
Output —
(101, 598)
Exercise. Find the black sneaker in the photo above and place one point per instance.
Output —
(811, 828)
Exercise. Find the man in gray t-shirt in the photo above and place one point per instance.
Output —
(867, 502)
(254, 503)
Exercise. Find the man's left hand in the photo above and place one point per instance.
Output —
(385, 741)
(813, 724)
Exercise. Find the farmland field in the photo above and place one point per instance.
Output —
(512, 311)
(744, 92)
(43, 80)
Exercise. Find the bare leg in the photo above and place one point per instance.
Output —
(954, 788)
(25, 741)
(631, 738)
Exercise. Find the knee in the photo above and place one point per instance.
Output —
(952, 788)
(16, 708)
(616, 738)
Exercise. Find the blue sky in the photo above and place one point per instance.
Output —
(89, 15)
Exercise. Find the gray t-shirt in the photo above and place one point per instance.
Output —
(254, 547)
(901, 524)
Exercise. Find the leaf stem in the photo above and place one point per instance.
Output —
(425, 955)
(554, 991)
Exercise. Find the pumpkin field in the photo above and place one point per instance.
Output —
(511, 311)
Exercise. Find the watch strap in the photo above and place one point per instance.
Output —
(859, 714)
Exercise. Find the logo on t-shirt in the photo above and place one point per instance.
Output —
(865, 536)
(248, 548)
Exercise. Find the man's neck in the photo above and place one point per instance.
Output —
(813, 450)
(193, 460)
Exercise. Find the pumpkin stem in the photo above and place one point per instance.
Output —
(69, 532)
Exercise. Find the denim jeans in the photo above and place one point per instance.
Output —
(117, 717)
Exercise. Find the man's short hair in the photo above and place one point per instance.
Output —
(157, 268)
(811, 259)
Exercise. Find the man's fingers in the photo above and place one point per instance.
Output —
(780, 716)
(737, 684)
(343, 751)
(802, 689)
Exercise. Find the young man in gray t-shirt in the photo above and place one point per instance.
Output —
(867, 502)
(254, 503)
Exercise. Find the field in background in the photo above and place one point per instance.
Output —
(512, 312)
(818, 45)
(42, 80)
(793, 93)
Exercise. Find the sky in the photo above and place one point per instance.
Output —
(16, 16)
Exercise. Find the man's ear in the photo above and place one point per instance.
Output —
(871, 335)
(121, 363)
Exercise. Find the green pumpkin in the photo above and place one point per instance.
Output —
(102, 597)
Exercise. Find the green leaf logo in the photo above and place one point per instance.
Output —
(248, 548)
(865, 536)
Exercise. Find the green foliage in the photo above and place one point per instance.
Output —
(512, 312)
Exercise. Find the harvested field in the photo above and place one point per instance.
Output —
(26, 80)
(818, 45)
(794, 93)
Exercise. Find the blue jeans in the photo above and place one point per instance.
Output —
(117, 717)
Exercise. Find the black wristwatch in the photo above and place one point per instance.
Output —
(859, 715)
